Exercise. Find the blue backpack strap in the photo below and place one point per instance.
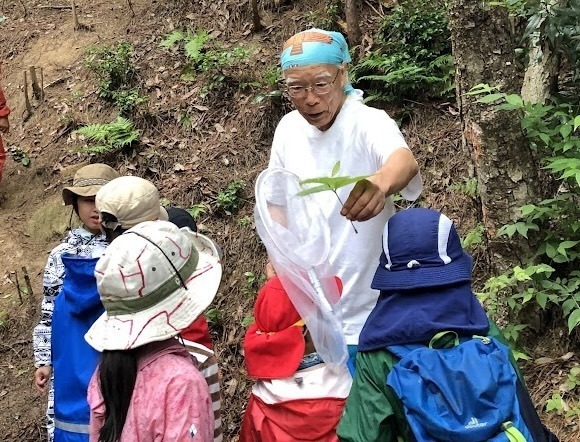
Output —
(444, 339)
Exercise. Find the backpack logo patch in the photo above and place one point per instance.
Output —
(474, 423)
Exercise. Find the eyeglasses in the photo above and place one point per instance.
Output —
(319, 88)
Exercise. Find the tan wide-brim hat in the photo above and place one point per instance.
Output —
(154, 280)
(88, 181)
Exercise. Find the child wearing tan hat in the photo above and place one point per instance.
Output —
(86, 241)
(154, 281)
(127, 201)
(296, 396)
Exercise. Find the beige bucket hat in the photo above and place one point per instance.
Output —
(154, 280)
(87, 181)
(132, 200)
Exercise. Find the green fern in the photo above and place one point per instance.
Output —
(393, 76)
(206, 58)
(172, 39)
(413, 58)
(108, 137)
(194, 44)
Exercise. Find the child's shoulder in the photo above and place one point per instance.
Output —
(65, 246)
(176, 369)
(77, 238)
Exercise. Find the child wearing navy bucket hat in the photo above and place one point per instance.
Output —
(427, 349)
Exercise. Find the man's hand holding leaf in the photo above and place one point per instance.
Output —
(366, 200)
(333, 183)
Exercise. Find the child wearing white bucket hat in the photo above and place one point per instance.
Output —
(154, 280)
(123, 204)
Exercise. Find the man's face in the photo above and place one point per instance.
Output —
(316, 92)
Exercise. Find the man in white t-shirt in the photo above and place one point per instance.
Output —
(332, 124)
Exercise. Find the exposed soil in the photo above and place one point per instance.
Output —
(227, 139)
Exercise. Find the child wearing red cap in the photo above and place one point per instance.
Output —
(296, 397)
(4, 127)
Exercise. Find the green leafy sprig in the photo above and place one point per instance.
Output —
(332, 183)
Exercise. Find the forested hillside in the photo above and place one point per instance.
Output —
(188, 94)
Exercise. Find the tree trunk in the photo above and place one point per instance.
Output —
(541, 78)
(76, 24)
(353, 23)
(256, 16)
(507, 174)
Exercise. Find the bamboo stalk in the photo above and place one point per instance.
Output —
(41, 84)
(18, 288)
(54, 7)
(27, 281)
(34, 80)
(26, 99)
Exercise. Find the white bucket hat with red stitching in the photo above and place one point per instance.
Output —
(154, 281)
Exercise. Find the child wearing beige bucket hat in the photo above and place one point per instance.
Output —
(86, 241)
(127, 201)
(154, 280)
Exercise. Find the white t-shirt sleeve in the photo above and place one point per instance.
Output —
(383, 137)
(277, 148)
(275, 193)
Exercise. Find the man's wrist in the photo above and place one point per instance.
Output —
(382, 183)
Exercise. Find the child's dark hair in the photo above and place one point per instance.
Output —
(117, 376)
(75, 203)
(110, 234)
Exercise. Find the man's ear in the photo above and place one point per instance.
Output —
(343, 75)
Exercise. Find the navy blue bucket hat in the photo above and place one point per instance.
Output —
(401, 318)
(425, 281)
(421, 248)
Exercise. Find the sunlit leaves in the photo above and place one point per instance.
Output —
(332, 183)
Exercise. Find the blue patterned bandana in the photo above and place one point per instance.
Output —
(310, 360)
(314, 46)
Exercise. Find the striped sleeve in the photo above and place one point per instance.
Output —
(208, 366)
